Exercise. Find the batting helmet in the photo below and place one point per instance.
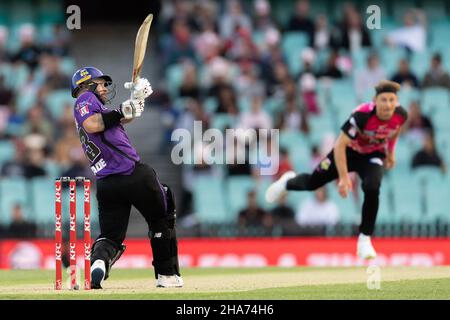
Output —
(85, 74)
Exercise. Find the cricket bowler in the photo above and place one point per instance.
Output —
(366, 144)
(122, 179)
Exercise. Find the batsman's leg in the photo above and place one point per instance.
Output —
(156, 203)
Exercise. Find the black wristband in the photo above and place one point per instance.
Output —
(111, 119)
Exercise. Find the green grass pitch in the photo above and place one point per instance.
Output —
(242, 283)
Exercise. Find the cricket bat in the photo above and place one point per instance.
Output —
(140, 46)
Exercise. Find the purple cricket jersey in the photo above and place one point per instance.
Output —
(110, 151)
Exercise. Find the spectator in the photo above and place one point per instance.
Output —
(38, 123)
(190, 87)
(318, 210)
(16, 166)
(308, 93)
(291, 118)
(179, 45)
(248, 83)
(227, 101)
(428, 156)
(235, 164)
(233, 19)
(19, 227)
(418, 125)
(6, 94)
(353, 34)
(405, 76)
(193, 112)
(35, 163)
(412, 35)
(316, 157)
(331, 69)
(263, 21)
(283, 215)
(54, 79)
(285, 164)
(29, 51)
(182, 13)
(253, 216)
(436, 76)
(368, 78)
(301, 21)
(256, 118)
(322, 37)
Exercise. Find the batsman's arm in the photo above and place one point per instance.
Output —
(102, 121)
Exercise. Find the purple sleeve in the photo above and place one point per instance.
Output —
(85, 107)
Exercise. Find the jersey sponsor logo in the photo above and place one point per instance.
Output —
(325, 164)
(83, 108)
(376, 161)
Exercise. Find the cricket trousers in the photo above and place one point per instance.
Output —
(369, 168)
(142, 189)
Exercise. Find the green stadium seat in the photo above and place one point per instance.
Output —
(349, 208)
(43, 199)
(386, 213)
(12, 191)
(210, 105)
(390, 58)
(433, 99)
(237, 188)
(209, 201)
(409, 197)
(7, 151)
(437, 189)
(56, 101)
(50, 12)
(292, 45)
(174, 77)
(407, 95)
(21, 12)
(221, 121)
(435, 10)
(298, 146)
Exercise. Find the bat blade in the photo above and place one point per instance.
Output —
(140, 47)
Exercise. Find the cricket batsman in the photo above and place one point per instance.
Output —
(366, 145)
(122, 179)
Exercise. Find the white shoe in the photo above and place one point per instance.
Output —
(277, 189)
(98, 271)
(365, 249)
(169, 281)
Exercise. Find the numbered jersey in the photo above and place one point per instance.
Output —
(110, 151)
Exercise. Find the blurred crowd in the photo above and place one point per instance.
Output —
(227, 65)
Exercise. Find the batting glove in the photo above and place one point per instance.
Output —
(140, 89)
(132, 108)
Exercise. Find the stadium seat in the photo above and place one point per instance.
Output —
(390, 58)
(174, 77)
(237, 188)
(43, 199)
(435, 10)
(409, 196)
(348, 208)
(408, 95)
(56, 100)
(21, 12)
(210, 105)
(433, 99)
(292, 45)
(209, 201)
(12, 191)
(7, 151)
(222, 121)
(298, 146)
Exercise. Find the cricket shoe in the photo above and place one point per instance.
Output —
(169, 281)
(98, 271)
(365, 249)
(277, 189)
